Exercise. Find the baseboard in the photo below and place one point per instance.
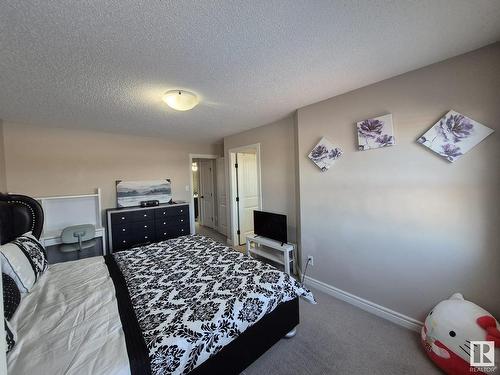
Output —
(371, 307)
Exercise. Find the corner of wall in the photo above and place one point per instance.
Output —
(3, 172)
(295, 140)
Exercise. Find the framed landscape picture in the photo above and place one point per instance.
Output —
(132, 193)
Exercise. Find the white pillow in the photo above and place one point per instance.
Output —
(25, 260)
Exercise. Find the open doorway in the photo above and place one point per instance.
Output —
(206, 187)
(246, 193)
(204, 192)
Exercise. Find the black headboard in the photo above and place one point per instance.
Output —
(19, 214)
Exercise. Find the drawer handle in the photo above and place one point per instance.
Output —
(123, 217)
(182, 210)
(165, 233)
(124, 241)
(123, 230)
(145, 226)
(145, 215)
(182, 220)
(182, 230)
(164, 213)
(146, 237)
(164, 223)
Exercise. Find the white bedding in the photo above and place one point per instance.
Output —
(70, 325)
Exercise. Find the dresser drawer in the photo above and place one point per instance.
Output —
(123, 244)
(171, 211)
(133, 233)
(122, 217)
(127, 243)
(171, 232)
(131, 216)
(172, 221)
(133, 229)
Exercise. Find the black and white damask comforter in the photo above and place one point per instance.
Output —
(192, 296)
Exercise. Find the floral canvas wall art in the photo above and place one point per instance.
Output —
(375, 133)
(324, 154)
(453, 135)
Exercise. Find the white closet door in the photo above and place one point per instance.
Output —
(206, 196)
(248, 191)
(221, 196)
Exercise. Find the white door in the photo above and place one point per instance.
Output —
(221, 197)
(206, 196)
(248, 192)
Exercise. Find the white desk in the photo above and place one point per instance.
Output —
(49, 238)
(286, 255)
(67, 210)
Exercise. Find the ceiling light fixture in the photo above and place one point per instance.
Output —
(180, 100)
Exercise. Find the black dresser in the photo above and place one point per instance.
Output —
(133, 226)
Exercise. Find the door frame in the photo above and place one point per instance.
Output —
(191, 198)
(222, 200)
(210, 164)
(233, 226)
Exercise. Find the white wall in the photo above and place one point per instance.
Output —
(400, 226)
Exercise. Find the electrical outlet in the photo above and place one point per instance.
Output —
(310, 259)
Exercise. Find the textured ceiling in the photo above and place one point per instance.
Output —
(105, 64)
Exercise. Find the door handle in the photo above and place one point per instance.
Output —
(202, 196)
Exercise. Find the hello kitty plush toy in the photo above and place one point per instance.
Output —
(448, 331)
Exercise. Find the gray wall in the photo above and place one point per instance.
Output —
(277, 166)
(400, 226)
(3, 177)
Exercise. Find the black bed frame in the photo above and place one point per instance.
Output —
(20, 214)
(255, 341)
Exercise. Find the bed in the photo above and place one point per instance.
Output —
(187, 305)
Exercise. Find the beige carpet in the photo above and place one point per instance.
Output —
(209, 232)
(337, 338)
(212, 233)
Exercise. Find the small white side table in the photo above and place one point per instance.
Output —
(288, 250)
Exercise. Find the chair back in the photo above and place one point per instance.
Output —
(78, 233)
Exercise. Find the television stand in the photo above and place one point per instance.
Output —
(286, 251)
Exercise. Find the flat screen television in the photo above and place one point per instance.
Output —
(270, 225)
